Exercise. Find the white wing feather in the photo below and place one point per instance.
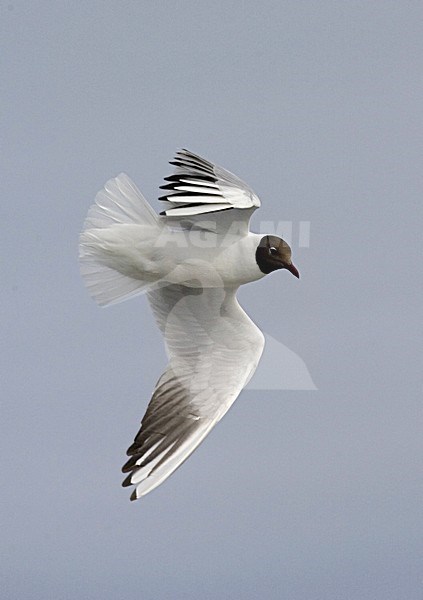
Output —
(214, 349)
(198, 184)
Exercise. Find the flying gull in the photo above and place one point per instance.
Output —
(190, 261)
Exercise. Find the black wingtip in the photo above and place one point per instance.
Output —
(127, 481)
(132, 449)
(133, 496)
(130, 464)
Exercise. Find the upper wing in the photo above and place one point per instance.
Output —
(214, 349)
(199, 187)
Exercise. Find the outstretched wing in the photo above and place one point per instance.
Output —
(199, 187)
(214, 349)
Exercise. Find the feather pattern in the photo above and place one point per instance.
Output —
(202, 187)
(214, 349)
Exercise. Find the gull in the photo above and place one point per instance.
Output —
(190, 261)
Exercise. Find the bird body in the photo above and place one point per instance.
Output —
(153, 254)
(190, 261)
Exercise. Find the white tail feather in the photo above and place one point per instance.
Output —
(118, 203)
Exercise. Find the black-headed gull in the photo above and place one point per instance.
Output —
(190, 260)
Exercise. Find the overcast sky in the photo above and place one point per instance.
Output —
(298, 494)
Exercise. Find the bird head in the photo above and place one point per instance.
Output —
(274, 253)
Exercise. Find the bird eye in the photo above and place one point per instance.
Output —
(273, 250)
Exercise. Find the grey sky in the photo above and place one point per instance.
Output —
(300, 495)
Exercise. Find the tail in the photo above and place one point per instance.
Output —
(118, 203)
